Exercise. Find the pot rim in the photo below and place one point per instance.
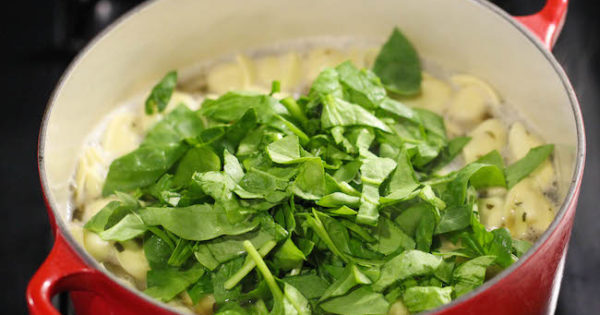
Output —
(567, 205)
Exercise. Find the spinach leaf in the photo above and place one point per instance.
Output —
(418, 299)
(286, 150)
(454, 218)
(310, 182)
(165, 284)
(131, 226)
(362, 86)
(311, 286)
(390, 238)
(398, 65)
(350, 278)
(523, 167)
(288, 256)
(199, 159)
(233, 105)
(358, 302)
(197, 222)
(161, 93)
(112, 213)
(409, 263)
(159, 151)
(471, 274)
(338, 112)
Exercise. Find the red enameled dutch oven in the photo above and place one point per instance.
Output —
(472, 36)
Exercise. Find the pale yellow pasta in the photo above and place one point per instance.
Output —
(520, 141)
(491, 211)
(121, 135)
(92, 207)
(319, 59)
(488, 136)
(286, 68)
(465, 80)
(434, 95)
(133, 260)
(90, 175)
(370, 56)
(398, 308)
(527, 211)
(100, 249)
(237, 75)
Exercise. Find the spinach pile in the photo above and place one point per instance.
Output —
(325, 204)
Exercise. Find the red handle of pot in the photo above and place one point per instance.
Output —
(62, 271)
(547, 23)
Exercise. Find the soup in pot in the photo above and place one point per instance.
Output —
(325, 179)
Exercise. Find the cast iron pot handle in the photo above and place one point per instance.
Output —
(547, 24)
(62, 271)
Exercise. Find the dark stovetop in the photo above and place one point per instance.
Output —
(40, 38)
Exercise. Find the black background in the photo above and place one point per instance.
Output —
(39, 38)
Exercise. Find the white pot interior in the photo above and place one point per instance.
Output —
(462, 36)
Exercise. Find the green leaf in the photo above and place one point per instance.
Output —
(523, 167)
(418, 299)
(288, 256)
(310, 182)
(350, 278)
(286, 151)
(159, 151)
(199, 159)
(165, 284)
(362, 86)
(338, 199)
(478, 175)
(454, 218)
(390, 238)
(200, 289)
(471, 274)
(358, 302)
(409, 263)
(222, 274)
(338, 112)
(398, 65)
(161, 93)
(326, 83)
(131, 226)
(295, 302)
(311, 286)
(112, 213)
(233, 105)
(197, 222)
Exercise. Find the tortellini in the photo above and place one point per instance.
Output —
(520, 141)
(488, 136)
(90, 175)
(121, 136)
(470, 104)
(285, 68)
(133, 260)
(527, 211)
(434, 95)
(100, 249)
(319, 59)
(237, 75)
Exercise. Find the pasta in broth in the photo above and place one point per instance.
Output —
(468, 105)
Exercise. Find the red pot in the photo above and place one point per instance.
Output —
(472, 36)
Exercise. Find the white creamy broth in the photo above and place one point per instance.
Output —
(470, 107)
